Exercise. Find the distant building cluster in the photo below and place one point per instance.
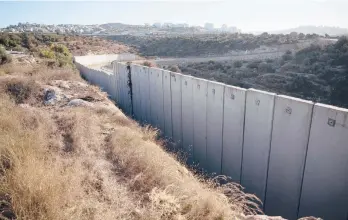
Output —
(61, 28)
(223, 28)
(119, 29)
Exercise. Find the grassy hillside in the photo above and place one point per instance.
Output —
(314, 73)
(66, 152)
(78, 45)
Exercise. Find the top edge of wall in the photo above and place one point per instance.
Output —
(343, 110)
(217, 83)
(235, 87)
(263, 92)
(295, 99)
(201, 79)
(175, 73)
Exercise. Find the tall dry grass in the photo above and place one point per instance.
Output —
(44, 181)
(62, 162)
(172, 191)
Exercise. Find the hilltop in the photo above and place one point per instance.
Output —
(34, 43)
(320, 30)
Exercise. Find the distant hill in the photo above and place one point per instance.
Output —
(321, 30)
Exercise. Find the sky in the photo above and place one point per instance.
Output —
(247, 15)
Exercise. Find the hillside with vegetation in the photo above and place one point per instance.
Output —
(67, 152)
(314, 73)
(33, 43)
(207, 44)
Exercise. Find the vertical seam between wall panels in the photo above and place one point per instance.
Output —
(193, 123)
(193, 127)
(181, 132)
(222, 130)
(243, 139)
(305, 161)
(206, 126)
(163, 115)
(269, 153)
(171, 101)
(149, 93)
(171, 105)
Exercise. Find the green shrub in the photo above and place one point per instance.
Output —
(63, 60)
(18, 48)
(59, 48)
(238, 64)
(253, 65)
(4, 57)
(46, 53)
(148, 64)
(174, 68)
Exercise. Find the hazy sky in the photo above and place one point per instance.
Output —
(248, 15)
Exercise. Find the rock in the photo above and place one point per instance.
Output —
(50, 97)
(79, 102)
(62, 84)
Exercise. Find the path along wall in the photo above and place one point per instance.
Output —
(291, 153)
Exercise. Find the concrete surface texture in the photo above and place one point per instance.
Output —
(200, 90)
(257, 141)
(291, 124)
(187, 116)
(214, 126)
(291, 153)
(233, 131)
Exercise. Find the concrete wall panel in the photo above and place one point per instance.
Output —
(136, 91)
(257, 141)
(153, 98)
(175, 83)
(156, 97)
(200, 89)
(159, 95)
(121, 70)
(167, 105)
(187, 116)
(233, 130)
(124, 89)
(325, 183)
(215, 109)
(117, 82)
(291, 124)
(145, 100)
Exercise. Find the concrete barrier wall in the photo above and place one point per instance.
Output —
(215, 106)
(289, 152)
(167, 104)
(175, 85)
(187, 116)
(200, 90)
(291, 124)
(233, 132)
(325, 180)
(257, 141)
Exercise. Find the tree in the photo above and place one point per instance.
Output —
(4, 57)
(238, 64)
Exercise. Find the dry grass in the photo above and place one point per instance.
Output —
(62, 162)
(172, 191)
(20, 89)
(40, 72)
